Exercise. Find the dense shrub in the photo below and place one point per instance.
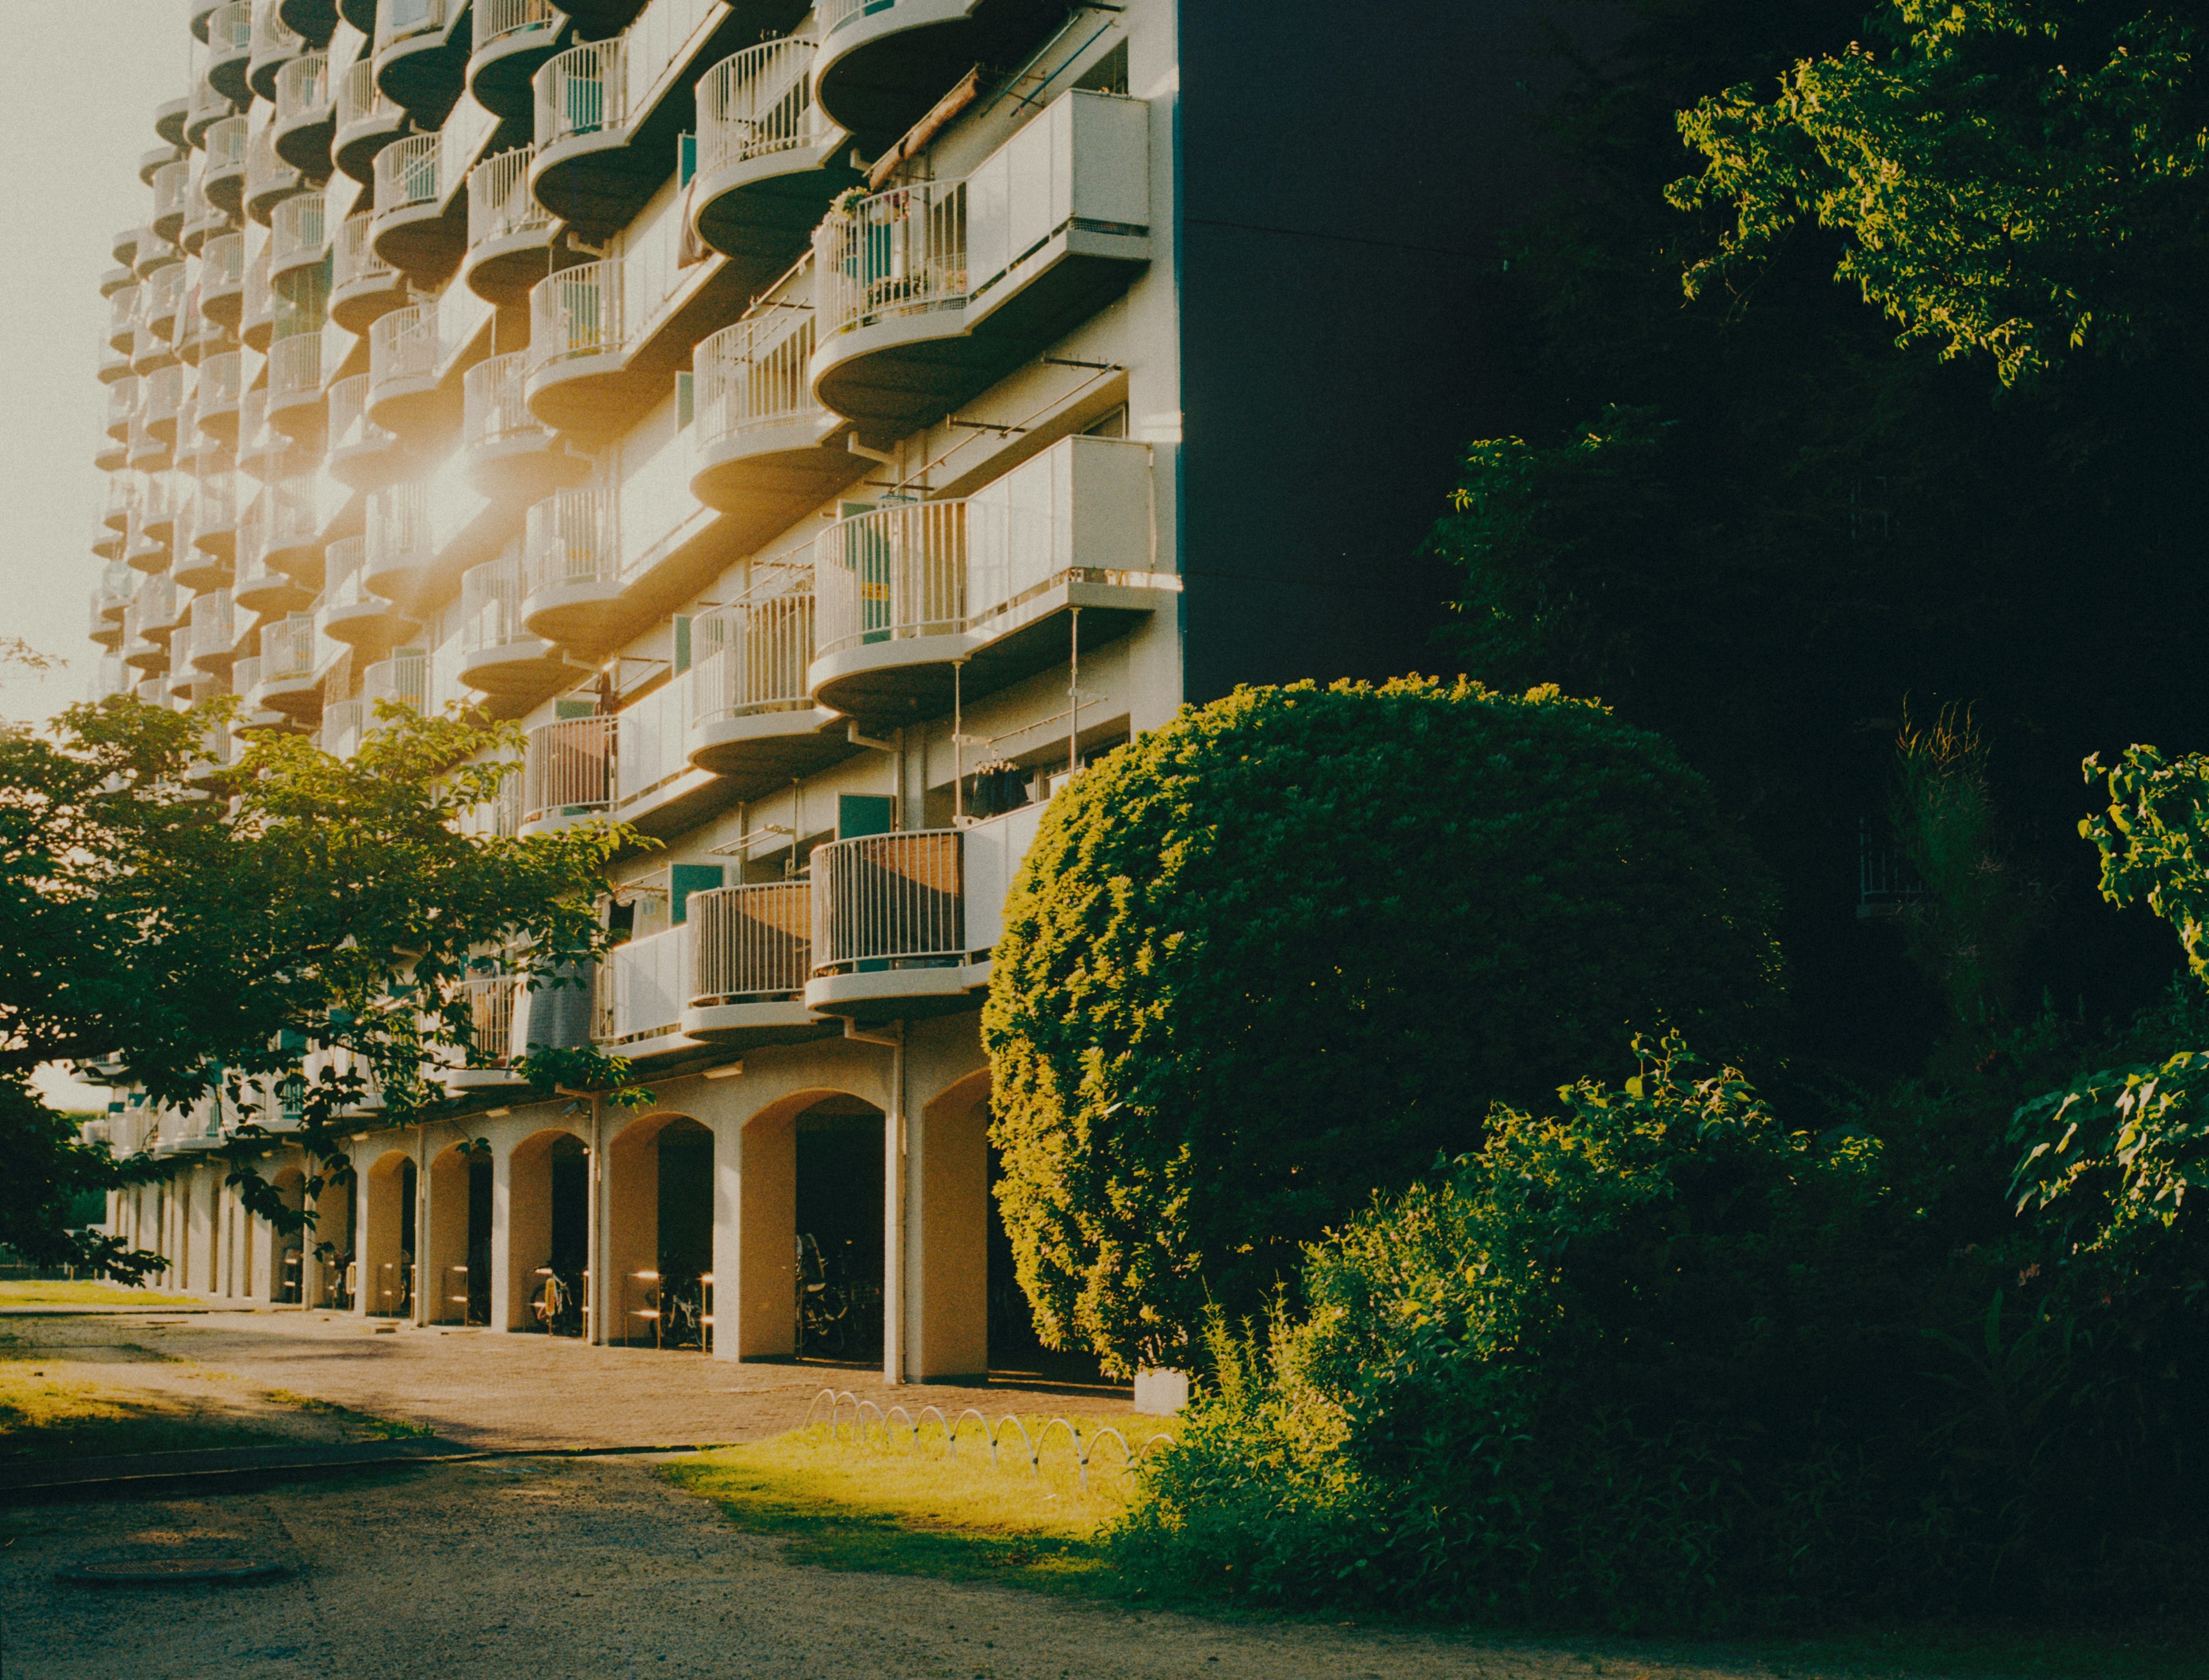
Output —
(1654, 1360)
(1280, 952)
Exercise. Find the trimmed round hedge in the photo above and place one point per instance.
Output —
(1280, 953)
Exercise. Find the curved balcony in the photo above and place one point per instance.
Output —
(296, 405)
(364, 456)
(213, 639)
(402, 680)
(113, 281)
(111, 457)
(161, 397)
(204, 555)
(412, 231)
(884, 63)
(987, 587)
(498, 656)
(927, 295)
(125, 248)
(571, 569)
(364, 287)
(568, 772)
(123, 401)
(367, 122)
(291, 679)
(890, 925)
(269, 179)
(508, 454)
(353, 614)
(205, 106)
(167, 500)
(753, 719)
(173, 189)
(203, 218)
(109, 544)
(299, 243)
(361, 14)
(763, 450)
(162, 610)
(315, 20)
(608, 111)
(769, 161)
(259, 587)
(230, 50)
(401, 553)
(170, 117)
(512, 39)
(198, 338)
(602, 17)
(421, 58)
(222, 177)
(148, 351)
(276, 46)
(114, 364)
(291, 529)
(140, 652)
(106, 630)
(152, 161)
(162, 301)
(146, 452)
(221, 378)
(142, 551)
(404, 394)
(306, 120)
(155, 254)
(120, 505)
(576, 379)
(509, 234)
(123, 316)
(751, 956)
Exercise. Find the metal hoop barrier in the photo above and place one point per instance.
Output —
(1031, 1446)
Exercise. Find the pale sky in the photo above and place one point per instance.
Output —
(80, 80)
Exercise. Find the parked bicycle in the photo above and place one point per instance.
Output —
(557, 1303)
(824, 1304)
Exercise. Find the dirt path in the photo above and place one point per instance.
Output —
(545, 1569)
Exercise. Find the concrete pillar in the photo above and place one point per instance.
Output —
(757, 1293)
(595, 1291)
(947, 1266)
(515, 1211)
(632, 1228)
(441, 1278)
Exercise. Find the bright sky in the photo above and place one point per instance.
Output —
(81, 81)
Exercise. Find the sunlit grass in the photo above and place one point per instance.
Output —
(49, 1412)
(35, 1293)
(907, 1502)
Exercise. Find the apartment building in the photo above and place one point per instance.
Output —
(823, 429)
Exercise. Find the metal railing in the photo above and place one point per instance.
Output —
(271, 34)
(163, 296)
(288, 650)
(751, 654)
(260, 307)
(359, 99)
(162, 394)
(222, 265)
(643, 987)
(214, 629)
(342, 583)
(403, 680)
(220, 379)
(899, 253)
(209, 108)
(491, 606)
(926, 568)
(760, 102)
(121, 407)
(344, 722)
(753, 375)
(303, 90)
(227, 144)
(575, 313)
(751, 942)
(215, 505)
(266, 172)
(295, 365)
(568, 768)
(401, 535)
(172, 186)
(349, 426)
(292, 511)
(230, 30)
(403, 345)
(580, 91)
(894, 899)
(396, 20)
(299, 228)
(353, 261)
(410, 171)
(500, 203)
(495, 20)
(491, 1000)
(573, 536)
(122, 315)
(494, 401)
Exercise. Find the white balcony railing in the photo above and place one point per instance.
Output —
(927, 568)
(344, 723)
(342, 583)
(750, 656)
(230, 29)
(750, 943)
(298, 228)
(575, 313)
(403, 345)
(353, 258)
(288, 650)
(890, 899)
(568, 768)
(752, 376)
(266, 172)
(491, 1000)
(172, 185)
(603, 84)
(491, 606)
(227, 144)
(497, 19)
(500, 203)
(396, 20)
(272, 36)
(222, 265)
(403, 680)
(643, 987)
(349, 426)
(572, 537)
(402, 534)
(295, 366)
(215, 505)
(410, 172)
(758, 103)
(359, 99)
(494, 394)
(214, 627)
(221, 378)
(303, 90)
(901, 252)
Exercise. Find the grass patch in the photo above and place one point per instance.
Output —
(46, 1416)
(907, 1506)
(366, 1425)
(33, 1292)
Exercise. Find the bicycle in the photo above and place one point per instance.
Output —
(824, 1307)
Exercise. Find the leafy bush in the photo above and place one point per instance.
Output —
(1280, 952)
(1656, 1360)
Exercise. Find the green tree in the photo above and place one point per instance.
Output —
(1284, 950)
(201, 944)
(2016, 178)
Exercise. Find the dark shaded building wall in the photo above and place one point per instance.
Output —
(1344, 175)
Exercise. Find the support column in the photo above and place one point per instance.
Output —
(946, 1243)
(510, 1308)
(425, 1288)
(599, 1291)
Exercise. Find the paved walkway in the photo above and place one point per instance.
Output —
(483, 1388)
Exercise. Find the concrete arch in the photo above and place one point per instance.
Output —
(659, 1191)
(454, 1273)
(389, 1194)
(947, 1232)
(287, 1258)
(330, 1246)
(547, 1221)
(811, 1163)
